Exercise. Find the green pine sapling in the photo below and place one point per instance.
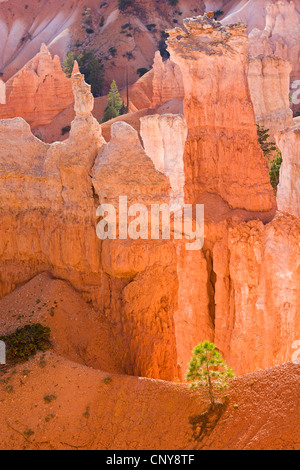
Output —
(208, 369)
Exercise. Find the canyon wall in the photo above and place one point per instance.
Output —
(241, 290)
(219, 117)
(269, 82)
(39, 91)
(288, 191)
(281, 35)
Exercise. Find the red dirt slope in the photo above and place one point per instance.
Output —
(90, 409)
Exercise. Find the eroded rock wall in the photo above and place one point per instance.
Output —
(167, 81)
(38, 92)
(269, 82)
(219, 116)
(164, 137)
(288, 191)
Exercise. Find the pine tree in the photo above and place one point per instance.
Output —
(272, 155)
(263, 139)
(89, 65)
(115, 103)
(208, 369)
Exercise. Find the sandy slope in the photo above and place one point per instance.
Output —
(61, 25)
(90, 412)
(95, 409)
(77, 331)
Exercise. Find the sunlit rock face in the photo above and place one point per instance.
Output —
(167, 81)
(269, 82)
(281, 35)
(38, 92)
(240, 291)
(219, 116)
(257, 293)
(164, 137)
(288, 191)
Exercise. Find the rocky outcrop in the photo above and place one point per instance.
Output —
(39, 91)
(257, 293)
(288, 191)
(219, 118)
(241, 290)
(281, 35)
(269, 82)
(167, 81)
(164, 138)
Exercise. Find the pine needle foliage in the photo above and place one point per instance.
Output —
(208, 369)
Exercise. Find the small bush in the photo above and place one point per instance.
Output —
(275, 166)
(218, 13)
(89, 30)
(142, 71)
(26, 342)
(49, 398)
(124, 4)
(151, 26)
(112, 51)
(162, 45)
(65, 130)
(173, 2)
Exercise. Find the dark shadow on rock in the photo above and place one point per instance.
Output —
(204, 423)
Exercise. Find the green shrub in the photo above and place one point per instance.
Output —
(151, 26)
(49, 398)
(162, 45)
(89, 30)
(275, 166)
(124, 4)
(89, 65)
(218, 13)
(26, 342)
(65, 130)
(142, 71)
(272, 155)
(112, 51)
(173, 2)
(114, 104)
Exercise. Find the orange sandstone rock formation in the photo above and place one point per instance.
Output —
(269, 82)
(219, 117)
(167, 81)
(281, 35)
(257, 293)
(288, 191)
(39, 91)
(160, 299)
(164, 139)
